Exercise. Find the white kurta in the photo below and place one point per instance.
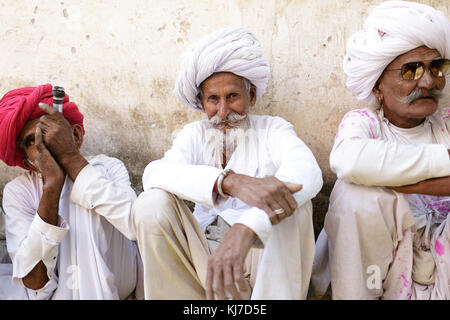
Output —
(370, 151)
(408, 155)
(86, 255)
(271, 148)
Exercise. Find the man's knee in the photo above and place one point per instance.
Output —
(152, 209)
(369, 212)
(348, 200)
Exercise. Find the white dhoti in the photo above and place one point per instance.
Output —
(175, 252)
(370, 232)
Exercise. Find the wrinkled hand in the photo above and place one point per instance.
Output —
(57, 132)
(53, 175)
(267, 194)
(226, 264)
(60, 140)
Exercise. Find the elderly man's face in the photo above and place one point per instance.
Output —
(225, 95)
(393, 90)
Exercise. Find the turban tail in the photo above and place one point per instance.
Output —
(21, 105)
(233, 50)
(392, 29)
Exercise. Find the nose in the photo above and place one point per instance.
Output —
(428, 81)
(223, 109)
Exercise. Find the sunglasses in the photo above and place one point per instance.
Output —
(414, 70)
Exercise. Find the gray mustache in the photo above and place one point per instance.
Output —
(233, 119)
(435, 94)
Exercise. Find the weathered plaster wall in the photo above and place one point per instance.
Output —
(119, 59)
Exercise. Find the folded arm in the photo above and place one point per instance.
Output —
(178, 173)
(33, 243)
(35, 274)
(359, 156)
(434, 187)
(104, 187)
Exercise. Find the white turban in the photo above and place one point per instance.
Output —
(392, 29)
(233, 50)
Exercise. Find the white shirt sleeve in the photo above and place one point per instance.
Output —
(30, 239)
(178, 173)
(257, 220)
(295, 161)
(296, 164)
(359, 155)
(104, 186)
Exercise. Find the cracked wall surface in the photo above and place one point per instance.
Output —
(118, 61)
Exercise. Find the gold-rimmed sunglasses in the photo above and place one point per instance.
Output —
(414, 70)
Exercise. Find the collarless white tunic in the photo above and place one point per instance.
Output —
(270, 147)
(86, 255)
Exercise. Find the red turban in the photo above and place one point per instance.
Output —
(21, 105)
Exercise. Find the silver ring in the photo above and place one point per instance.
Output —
(279, 211)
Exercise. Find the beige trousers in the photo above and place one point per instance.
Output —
(174, 248)
(368, 231)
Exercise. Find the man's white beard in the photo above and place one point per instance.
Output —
(219, 139)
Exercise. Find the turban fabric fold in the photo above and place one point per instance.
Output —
(21, 105)
(234, 50)
(392, 29)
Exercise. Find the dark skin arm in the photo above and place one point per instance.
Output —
(434, 187)
(58, 146)
(225, 265)
(53, 181)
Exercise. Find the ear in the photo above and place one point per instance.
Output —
(199, 97)
(78, 135)
(378, 91)
(252, 94)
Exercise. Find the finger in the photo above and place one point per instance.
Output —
(291, 202)
(48, 109)
(44, 127)
(288, 197)
(229, 281)
(209, 281)
(282, 203)
(38, 139)
(45, 133)
(293, 187)
(238, 275)
(218, 283)
(272, 215)
(47, 120)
